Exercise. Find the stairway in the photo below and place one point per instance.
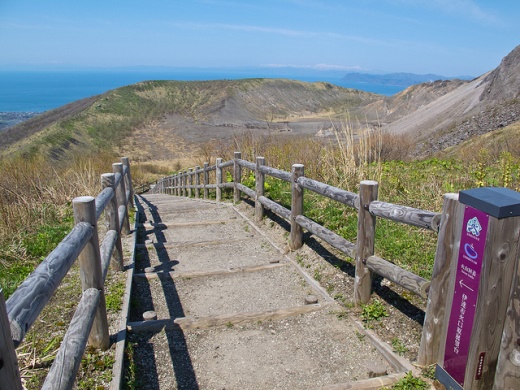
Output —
(215, 306)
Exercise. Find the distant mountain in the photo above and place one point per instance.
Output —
(397, 79)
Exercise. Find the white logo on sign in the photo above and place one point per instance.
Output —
(473, 227)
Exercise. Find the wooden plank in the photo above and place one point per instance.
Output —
(348, 198)
(62, 373)
(184, 224)
(368, 384)
(328, 236)
(365, 241)
(398, 363)
(296, 235)
(407, 215)
(223, 319)
(275, 207)
(279, 174)
(196, 243)
(9, 371)
(399, 276)
(439, 299)
(29, 299)
(216, 272)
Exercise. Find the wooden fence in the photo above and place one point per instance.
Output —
(447, 224)
(89, 322)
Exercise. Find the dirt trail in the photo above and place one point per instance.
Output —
(231, 309)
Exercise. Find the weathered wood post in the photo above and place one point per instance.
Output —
(259, 189)
(186, 184)
(190, 182)
(128, 182)
(84, 208)
(112, 220)
(197, 182)
(121, 197)
(9, 372)
(483, 275)
(181, 183)
(508, 366)
(206, 180)
(218, 173)
(296, 240)
(365, 241)
(441, 282)
(237, 177)
(176, 184)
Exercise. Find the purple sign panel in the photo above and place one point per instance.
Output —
(469, 266)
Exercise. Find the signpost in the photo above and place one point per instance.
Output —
(488, 252)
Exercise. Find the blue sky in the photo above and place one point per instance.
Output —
(446, 37)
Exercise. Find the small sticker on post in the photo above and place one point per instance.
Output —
(480, 365)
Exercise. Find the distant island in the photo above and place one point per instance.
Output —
(397, 79)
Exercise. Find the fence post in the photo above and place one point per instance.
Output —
(237, 177)
(218, 174)
(259, 189)
(190, 182)
(9, 372)
(112, 219)
(482, 278)
(206, 180)
(365, 241)
(90, 270)
(197, 182)
(508, 366)
(296, 240)
(446, 253)
(184, 183)
(128, 182)
(121, 196)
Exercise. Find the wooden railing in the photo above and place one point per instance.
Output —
(89, 322)
(192, 182)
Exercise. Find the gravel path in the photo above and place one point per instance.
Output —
(231, 309)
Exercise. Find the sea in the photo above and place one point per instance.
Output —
(39, 91)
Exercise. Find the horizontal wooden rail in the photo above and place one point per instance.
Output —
(107, 249)
(327, 235)
(275, 207)
(102, 200)
(29, 299)
(246, 190)
(226, 164)
(407, 215)
(279, 174)
(348, 198)
(246, 164)
(63, 371)
(399, 276)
